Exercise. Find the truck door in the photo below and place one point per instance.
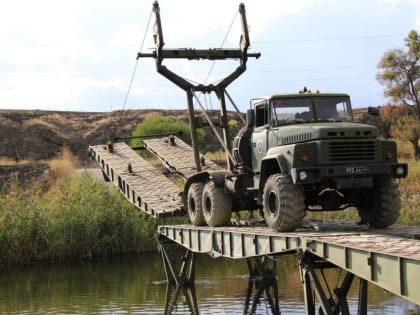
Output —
(259, 136)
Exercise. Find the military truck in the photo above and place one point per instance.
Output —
(297, 153)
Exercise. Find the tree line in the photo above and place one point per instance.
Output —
(399, 73)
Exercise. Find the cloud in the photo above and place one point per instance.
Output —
(54, 53)
(186, 21)
(34, 90)
(412, 4)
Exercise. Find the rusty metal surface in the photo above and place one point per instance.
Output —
(179, 156)
(141, 183)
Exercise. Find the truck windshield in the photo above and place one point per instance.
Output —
(310, 109)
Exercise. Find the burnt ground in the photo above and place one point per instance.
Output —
(23, 174)
(40, 135)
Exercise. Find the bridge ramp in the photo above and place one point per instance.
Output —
(177, 155)
(138, 180)
(143, 184)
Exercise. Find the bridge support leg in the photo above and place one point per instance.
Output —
(311, 284)
(262, 277)
(362, 309)
(336, 302)
(181, 277)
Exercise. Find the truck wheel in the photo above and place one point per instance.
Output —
(381, 207)
(217, 206)
(283, 203)
(195, 204)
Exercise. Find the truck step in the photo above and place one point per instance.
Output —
(178, 155)
(139, 181)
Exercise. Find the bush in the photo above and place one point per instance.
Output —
(163, 124)
(410, 195)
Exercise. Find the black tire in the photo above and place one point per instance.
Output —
(283, 203)
(217, 206)
(195, 204)
(381, 206)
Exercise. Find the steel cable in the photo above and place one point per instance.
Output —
(135, 68)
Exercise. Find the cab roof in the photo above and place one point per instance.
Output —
(303, 95)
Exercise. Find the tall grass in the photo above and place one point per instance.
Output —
(77, 217)
(410, 195)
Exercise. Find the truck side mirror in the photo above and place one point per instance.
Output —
(250, 118)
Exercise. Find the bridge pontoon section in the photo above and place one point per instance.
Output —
(177, 155)
(138, 180)
(388, 258)
(143, 183)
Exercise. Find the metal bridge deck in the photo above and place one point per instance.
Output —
(139, 181)
(178, 155)
(389, 258)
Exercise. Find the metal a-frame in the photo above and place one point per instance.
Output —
(160, 53)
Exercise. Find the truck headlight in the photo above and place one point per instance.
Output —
(400, 171)
(303, 175)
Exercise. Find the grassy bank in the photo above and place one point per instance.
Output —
(76, 217)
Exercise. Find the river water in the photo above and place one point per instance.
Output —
(137, 285)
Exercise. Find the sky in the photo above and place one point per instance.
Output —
(80, 55)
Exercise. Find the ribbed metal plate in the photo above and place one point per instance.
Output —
(178, 155)
(139, 181)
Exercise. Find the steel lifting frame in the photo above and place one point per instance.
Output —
(159, 54)
(337, 304)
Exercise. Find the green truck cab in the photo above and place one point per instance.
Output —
(302, 152)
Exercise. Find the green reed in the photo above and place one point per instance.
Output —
(77, 217)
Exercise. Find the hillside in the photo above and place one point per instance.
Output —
(40, 135)
(31, 137)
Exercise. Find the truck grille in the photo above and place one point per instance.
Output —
(351, 151)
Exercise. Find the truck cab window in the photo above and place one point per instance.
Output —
(261, 116)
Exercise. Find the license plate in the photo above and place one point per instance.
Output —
(356, 170)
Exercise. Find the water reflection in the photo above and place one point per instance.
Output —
(188, 293)
(262, 291)
(137, 285)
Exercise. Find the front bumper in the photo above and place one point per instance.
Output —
(348, 176)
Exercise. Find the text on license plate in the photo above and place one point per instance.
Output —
(356, 170)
